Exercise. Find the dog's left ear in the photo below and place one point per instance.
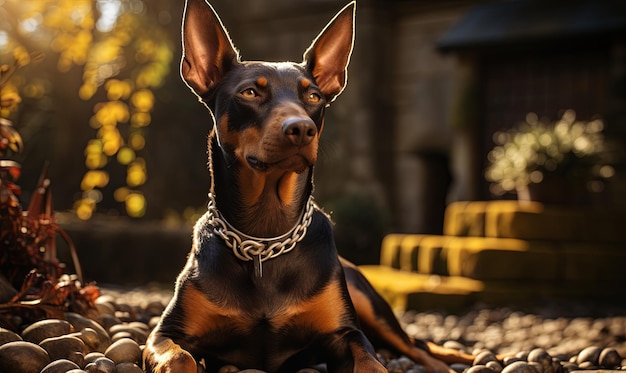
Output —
(328, 56)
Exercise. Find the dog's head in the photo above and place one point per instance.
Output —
(268, 116)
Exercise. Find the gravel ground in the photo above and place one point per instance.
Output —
(552, 337)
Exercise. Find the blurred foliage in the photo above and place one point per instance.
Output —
(360, 225)
(571, 149)
(124, 56)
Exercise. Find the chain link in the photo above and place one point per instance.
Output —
(247, 247)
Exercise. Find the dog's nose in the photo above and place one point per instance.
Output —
(299, 130)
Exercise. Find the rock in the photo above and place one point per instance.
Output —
(60, 366)
(511, 359)
(80, 323)
(136, 331)
(495, 366)
(522, 355)
(590, 354)
(8, 336)
(107, 321)
(455, 345)
(519, 367)
(92, 356)
(480, 369)
(124, 351)
(101, 365)
(43, 329)
(127, 368)
(484, 357)
(458, 367)
(62, 347)
(541, 356)
(228, 369)
(538, 367)
(22, 357)
(609, 358)
(92, 339)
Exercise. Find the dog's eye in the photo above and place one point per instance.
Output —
(314, 97)
(249, 93)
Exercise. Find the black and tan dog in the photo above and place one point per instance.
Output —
(263, 286)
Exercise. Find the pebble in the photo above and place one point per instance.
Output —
(504, 340)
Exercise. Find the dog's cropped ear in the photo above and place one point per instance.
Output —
(208, 52)
(328, 56)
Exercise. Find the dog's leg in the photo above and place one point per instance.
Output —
(162, 355)
(353, 343)
(381, 326)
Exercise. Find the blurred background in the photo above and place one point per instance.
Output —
(434, 86)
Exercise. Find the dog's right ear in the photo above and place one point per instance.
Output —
(208, 52)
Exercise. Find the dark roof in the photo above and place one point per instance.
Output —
(535, 21)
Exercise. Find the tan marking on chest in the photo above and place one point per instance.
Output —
(324, 312)
(202, 315)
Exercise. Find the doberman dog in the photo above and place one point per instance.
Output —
(263, 286)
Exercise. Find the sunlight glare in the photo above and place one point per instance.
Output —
(4, 39)
(31, 24)
(110, 10)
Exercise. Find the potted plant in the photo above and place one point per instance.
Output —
(551, 162)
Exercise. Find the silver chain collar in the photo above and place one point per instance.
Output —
(257, 249)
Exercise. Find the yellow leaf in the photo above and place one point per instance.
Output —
(125, 155)
(135, 205)
(143, 100)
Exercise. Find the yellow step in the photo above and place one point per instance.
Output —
(397, 286)
(534, 221)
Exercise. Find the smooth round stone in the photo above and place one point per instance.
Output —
(454, 345)
(610, 358)
(459, 367)
(495, 366)
(511, 359)
(590, 354)
(484, 357)
(127, 368)
(93, 340)
(519, 367)
(60, 366)
(124, 351)
(7, 336)
(538, 367)
(480, 369)
(137, 331)
(92, 356)
(22, 357)
(101, 365)
(62, 347)
(43, 329)
(541, 356)
(79, 322)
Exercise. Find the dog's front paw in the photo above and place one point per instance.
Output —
(167, 357)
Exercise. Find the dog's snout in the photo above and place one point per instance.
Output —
(299, 130)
